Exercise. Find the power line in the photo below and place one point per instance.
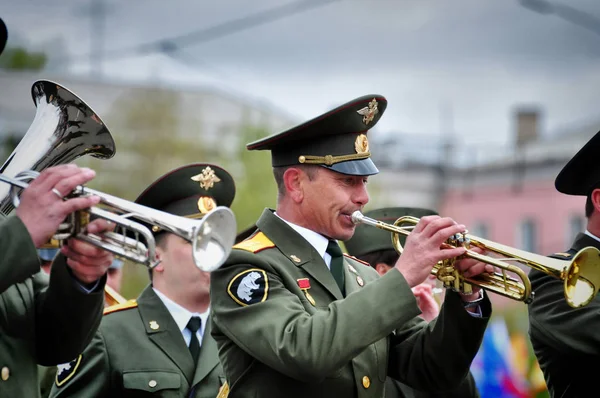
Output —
(213, 32)
(568, 13)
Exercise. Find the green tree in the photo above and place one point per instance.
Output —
(18, 58)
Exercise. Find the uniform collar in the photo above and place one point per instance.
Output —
(181, 315)
(591, 235)
(316, 240)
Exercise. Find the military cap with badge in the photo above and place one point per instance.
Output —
(336, 140)
(581, 175)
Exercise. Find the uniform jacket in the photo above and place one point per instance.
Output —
(467, 389)
(42, 320)
(139, 350)
(565, 340)
(284, 329)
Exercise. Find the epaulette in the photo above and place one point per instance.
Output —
(562, 255)
(120, 307)
(357, 259)
(255, 243)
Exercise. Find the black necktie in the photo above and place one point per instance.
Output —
(337, 263)
(193, 326)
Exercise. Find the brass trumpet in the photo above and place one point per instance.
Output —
(581, 275)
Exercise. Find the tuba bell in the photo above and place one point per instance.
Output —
(64, 128)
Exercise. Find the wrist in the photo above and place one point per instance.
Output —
(472, 300)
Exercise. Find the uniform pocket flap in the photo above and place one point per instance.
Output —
(151, 381)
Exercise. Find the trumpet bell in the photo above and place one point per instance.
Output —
(213, 238)
(582, 277)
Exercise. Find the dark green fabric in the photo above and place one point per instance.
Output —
(564, 338)
(337, 264)
(45, 320)
(284, 346)
(127, 353)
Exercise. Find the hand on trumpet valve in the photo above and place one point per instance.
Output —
(88, 262)
(44, 204)
(470, 267)
(426, 246)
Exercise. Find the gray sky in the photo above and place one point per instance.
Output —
(476, 58)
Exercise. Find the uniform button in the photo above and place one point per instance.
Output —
(5, 373)
(366, 382)
(152, 383)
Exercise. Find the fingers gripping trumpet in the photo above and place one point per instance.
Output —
(580, 275)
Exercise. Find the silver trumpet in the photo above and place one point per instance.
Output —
(212, 237)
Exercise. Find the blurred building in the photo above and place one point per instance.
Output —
(512, 200)
(173, 124)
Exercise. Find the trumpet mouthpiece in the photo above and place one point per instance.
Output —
(357, 217)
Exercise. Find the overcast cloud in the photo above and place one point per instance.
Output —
(477, 58)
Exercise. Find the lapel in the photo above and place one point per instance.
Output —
(163, 331)
(209, 356)
(294, 246)
(583, 240)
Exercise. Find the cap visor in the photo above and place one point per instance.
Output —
(362, 167)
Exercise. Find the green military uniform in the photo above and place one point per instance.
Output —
(45, 320)
(565, 340)
(368, 240)
(283, 326)
(139, 348)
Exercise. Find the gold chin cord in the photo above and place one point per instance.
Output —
(580, 274)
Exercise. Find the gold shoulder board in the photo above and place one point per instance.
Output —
(358, 260)
(120, 307)
(568, 255)
(255, 243)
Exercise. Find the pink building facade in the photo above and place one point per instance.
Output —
(535, 218)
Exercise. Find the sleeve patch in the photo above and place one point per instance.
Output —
(65, 371)
(256, 243)
(249, 287)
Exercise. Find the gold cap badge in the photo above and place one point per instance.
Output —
(206, 204)
(369, 112)
(361, 144)
(207, 178)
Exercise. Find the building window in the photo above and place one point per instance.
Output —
(528, 235)
(480, 230)
(576, 225)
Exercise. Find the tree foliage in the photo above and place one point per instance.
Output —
(18, 58)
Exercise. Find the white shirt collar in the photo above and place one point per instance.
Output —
(182, 317)
(316, 240)
(591, 235)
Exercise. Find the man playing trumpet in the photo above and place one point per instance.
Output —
(294, 317)
(159, 343)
